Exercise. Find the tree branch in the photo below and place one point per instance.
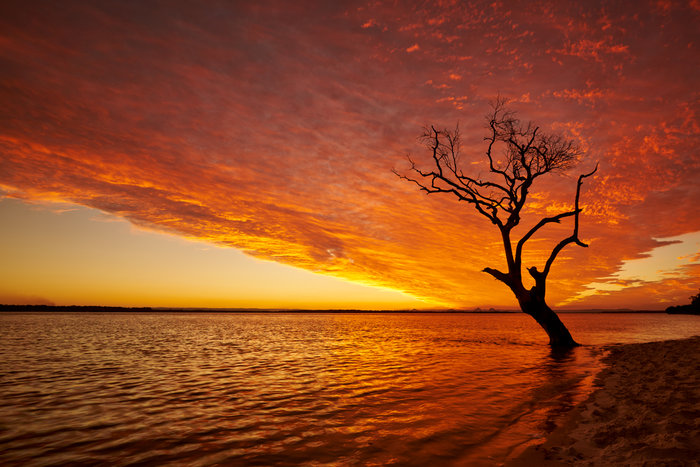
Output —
(574, 236)
(531, 232)
(503, 277)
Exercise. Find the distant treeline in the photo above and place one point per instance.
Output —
(95, 308)
(117, 309)
(684, 310)
(74, 308)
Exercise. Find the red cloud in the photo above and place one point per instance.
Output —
(278, 136)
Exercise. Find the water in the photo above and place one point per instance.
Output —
(289, 389)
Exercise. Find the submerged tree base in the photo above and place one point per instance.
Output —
(559, 335)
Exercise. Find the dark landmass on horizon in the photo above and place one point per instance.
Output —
(683, 310)
(119, 309)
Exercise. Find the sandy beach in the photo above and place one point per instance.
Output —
(645, 411)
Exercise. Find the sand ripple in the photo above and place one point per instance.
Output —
(646, 411)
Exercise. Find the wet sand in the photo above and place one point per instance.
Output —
(645, 411)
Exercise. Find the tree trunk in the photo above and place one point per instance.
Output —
(535, 306)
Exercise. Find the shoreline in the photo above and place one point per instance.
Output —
(644, 410)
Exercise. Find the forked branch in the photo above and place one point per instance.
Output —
(573, 238)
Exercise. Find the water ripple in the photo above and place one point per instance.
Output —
(135, 389)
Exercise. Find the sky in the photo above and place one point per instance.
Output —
(240, 154)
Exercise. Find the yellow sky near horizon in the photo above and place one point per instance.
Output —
(63, 254)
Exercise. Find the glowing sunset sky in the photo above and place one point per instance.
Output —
(145, 146)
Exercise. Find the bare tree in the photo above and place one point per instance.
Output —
(527, 153)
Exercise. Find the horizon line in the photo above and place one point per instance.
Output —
(110, 308)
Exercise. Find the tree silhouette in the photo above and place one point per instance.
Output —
(691, 309)
(527, 154)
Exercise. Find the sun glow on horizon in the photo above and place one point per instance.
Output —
(65, 254)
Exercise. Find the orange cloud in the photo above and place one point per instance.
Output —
(278, 137)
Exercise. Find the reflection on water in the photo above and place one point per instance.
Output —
(202, 389)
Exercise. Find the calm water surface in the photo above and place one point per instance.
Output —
(289, 389)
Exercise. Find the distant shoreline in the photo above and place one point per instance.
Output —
(119, 309)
